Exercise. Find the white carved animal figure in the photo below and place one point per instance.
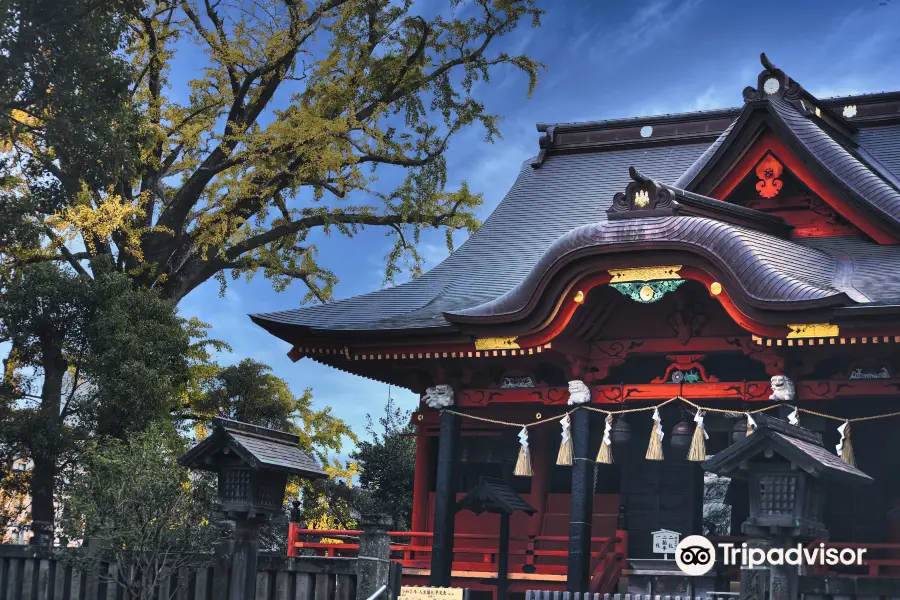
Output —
(579, 393)
(782, 389)
(439, 396)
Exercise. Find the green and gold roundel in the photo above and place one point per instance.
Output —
(647, 292)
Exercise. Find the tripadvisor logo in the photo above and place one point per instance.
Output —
(696, 555)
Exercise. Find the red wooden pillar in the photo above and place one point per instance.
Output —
(420, 484)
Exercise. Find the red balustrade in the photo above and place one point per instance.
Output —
(535, 556)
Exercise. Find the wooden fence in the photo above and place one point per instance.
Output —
(28, 573)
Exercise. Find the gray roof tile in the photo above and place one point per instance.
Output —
(543, 204)
(281, 456)
(572, 190)
(839, 161)
(768, 268)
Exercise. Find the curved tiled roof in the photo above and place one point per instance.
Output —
(543, 204)
(688, 176)
(838, 160)
(768, 268)
(873, 182)
(572, 189)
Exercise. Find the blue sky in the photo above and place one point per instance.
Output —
(606, 59)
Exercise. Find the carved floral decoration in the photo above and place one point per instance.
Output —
(769, 170)
(645, 293)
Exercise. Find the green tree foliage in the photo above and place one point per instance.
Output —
(109, 169)
(225, 182)
(249, 392)
(111, 359)
(66, 91)
(138, 509)
(387, 463)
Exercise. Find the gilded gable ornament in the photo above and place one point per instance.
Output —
(644, 274)
(496, 343)
(769, 170)
(813, 330)
(641, 199)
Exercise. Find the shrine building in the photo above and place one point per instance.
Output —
(644, 278)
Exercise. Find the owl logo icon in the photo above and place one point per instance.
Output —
(695, 555)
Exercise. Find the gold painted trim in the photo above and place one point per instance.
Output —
(813, 330)
(496, 343)
(644, 274)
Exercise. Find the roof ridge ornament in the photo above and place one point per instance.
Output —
(643, 197)
(775, 83)
(545, 142)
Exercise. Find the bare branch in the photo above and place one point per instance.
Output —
(70, 257)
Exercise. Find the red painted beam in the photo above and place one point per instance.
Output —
(747, 391)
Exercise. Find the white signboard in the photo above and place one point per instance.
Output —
(665, 542)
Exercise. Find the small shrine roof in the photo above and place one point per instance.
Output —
(494, 496)
(800, 446)
(260, 447)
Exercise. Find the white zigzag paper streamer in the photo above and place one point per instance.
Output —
(794, 417)
(606, 432)
(566, 424)
(658, 419)
(750, 422)
(698, 419)
(523, 439)
(841, 430)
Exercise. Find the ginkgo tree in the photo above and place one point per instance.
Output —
(109, 166)
(227, 180)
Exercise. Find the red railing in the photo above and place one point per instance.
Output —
(534, 555)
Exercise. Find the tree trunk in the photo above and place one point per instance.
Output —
(45, 452)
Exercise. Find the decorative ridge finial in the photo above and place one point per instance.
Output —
(774, 83)
(638, 176)
(642, 198)
(544, 142)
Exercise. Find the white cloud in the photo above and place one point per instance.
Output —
(647, 26)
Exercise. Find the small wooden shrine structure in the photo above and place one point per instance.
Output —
(645, 286)
(497, 497)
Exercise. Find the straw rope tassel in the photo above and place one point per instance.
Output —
(655, 449)
(523, 464)
(565, 448)
(751, 424)
(697, 451)
(844, 447)
(604, 455)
